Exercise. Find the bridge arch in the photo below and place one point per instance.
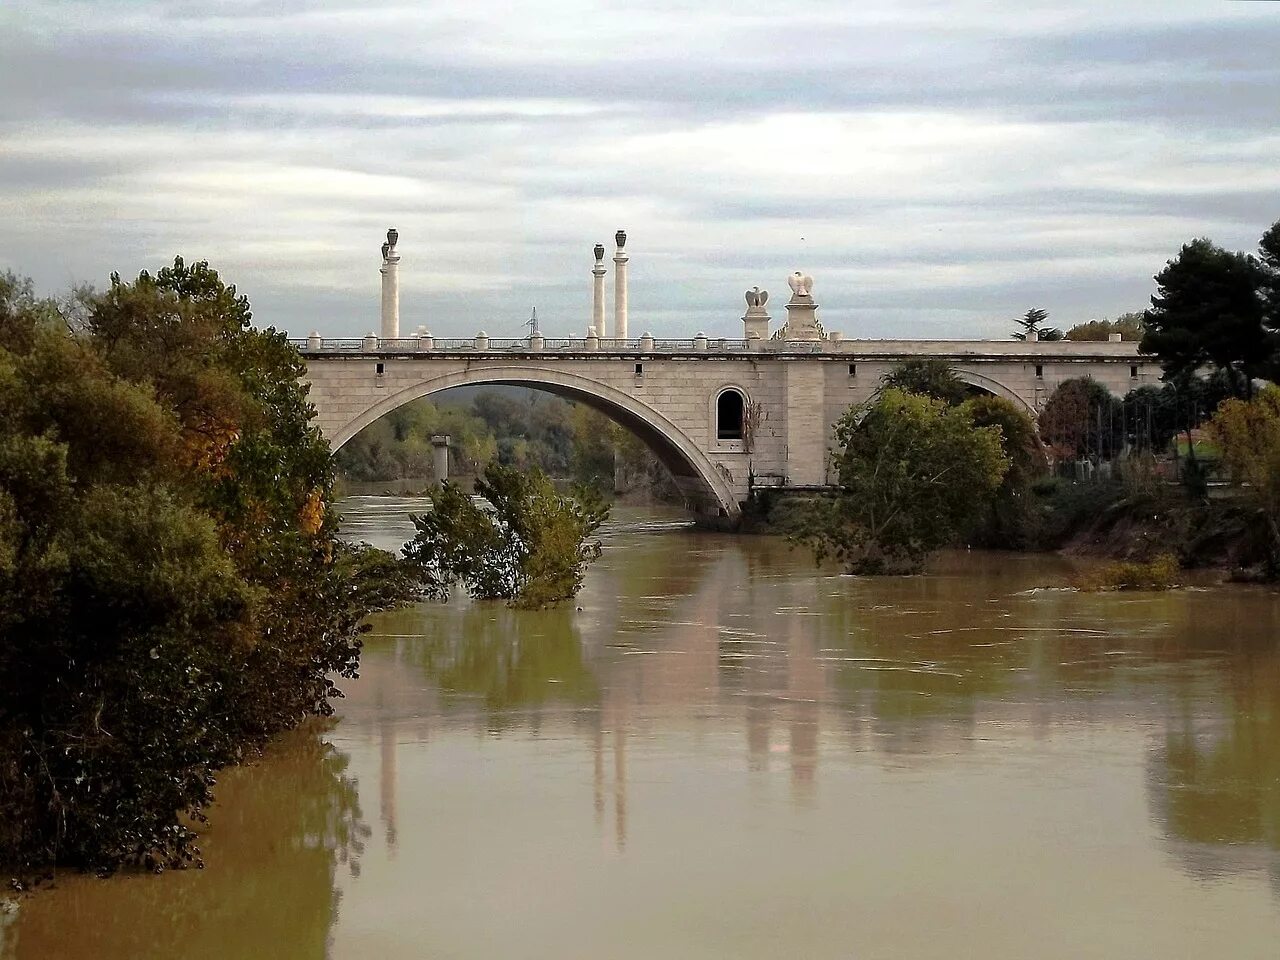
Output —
(996, 388)
(698, 479)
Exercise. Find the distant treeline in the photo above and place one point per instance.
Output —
(512, 426)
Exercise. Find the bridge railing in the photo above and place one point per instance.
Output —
(887, 350)
(643, 345)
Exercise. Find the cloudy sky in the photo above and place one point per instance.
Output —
(937, 167)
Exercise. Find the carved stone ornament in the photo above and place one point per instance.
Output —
(757, 297)
(599, 252)
(620, 238)
(801, 284)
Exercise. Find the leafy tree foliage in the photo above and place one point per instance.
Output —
(1209, 312)
(1009, 517)
(1033, 322)
(528, 429)
(1082, 418)
(1248, 433)
(928, 378)
(528, 545)
(172, 589)
(914, 474)
(1155, 415)
(1269, 256)
(398, 445)
(1128, 325)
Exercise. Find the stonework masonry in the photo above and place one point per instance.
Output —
(667, 394)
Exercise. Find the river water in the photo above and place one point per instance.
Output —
(723, 751)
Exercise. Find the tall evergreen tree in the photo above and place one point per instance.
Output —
(1269, 255)
(1208, 312)
(1033, 322)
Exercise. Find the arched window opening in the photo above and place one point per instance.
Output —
(730, 407)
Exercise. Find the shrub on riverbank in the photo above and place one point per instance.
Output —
(172, 589)
(1158, 574)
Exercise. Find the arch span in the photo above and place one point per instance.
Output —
(995, 388)
(697, 477)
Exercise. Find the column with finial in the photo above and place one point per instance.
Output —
(620, 287)
(390, 287)
(597, 291)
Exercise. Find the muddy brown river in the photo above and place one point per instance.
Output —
(723, 751)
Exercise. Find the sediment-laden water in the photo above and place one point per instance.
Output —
(723, 751)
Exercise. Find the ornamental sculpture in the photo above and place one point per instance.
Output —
(757, 297)
(801, 284)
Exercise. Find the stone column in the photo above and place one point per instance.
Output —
(597, 291)
(440, 451)
(620, 287)
(390, 287)
(802, 312)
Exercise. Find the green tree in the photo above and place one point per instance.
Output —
(1082, 418)
(1033, 322)
(529, 545)
(929, 378)
(1269, 257)
(1209, 313)
(1248, 435)
(1128, 325)
(914, 474)
(1010, 519)
(172, 588)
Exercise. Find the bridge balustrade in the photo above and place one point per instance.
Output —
(549, 345)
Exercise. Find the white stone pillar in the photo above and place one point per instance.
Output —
(440, 457)
(620, 287)
(390, 287)
(597, 291)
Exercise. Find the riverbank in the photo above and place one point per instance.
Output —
(1112, 521)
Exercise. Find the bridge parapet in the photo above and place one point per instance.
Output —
(887, 350)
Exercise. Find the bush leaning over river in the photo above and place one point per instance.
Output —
(530, 545)
(172, 588)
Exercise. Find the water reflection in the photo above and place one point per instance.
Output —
(747, 635)
(1214, 777)
(282, 829)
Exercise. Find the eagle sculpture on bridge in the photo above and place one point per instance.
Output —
(801, 284)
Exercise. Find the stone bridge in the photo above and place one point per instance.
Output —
(724, 416)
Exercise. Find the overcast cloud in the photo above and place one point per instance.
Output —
(938, 168)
